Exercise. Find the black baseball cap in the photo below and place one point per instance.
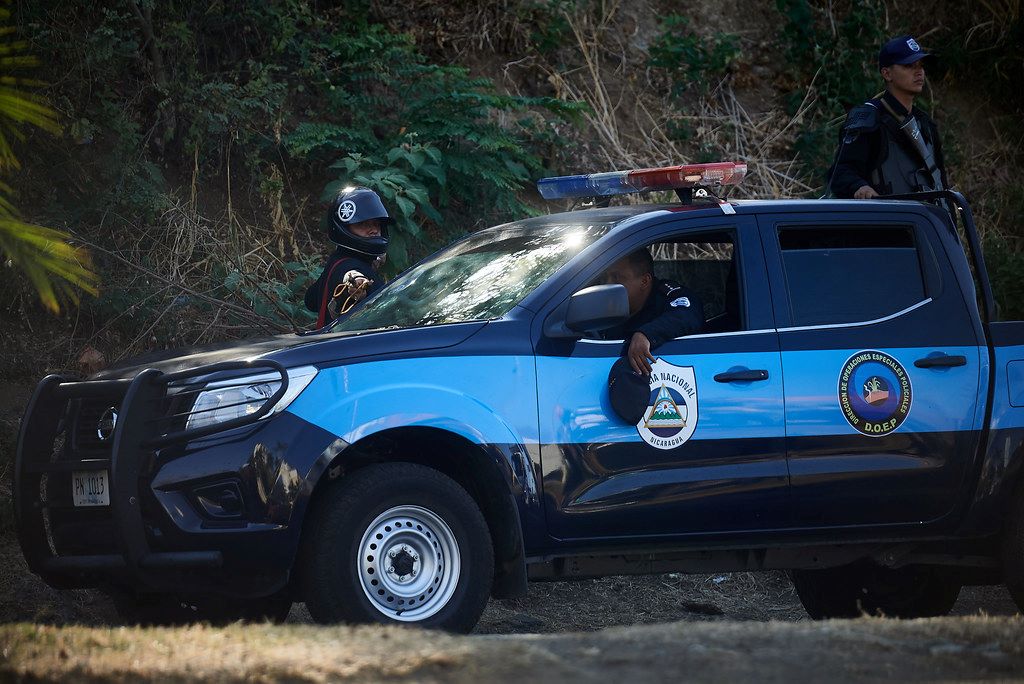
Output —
(628, 391)
(900, 50)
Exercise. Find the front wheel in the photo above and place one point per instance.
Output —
(397, 543)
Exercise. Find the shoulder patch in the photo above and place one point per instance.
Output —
(861, 118)
(680, 301)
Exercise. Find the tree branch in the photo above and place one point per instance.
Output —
(264, 323)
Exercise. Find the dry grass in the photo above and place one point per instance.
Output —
(177, 266)
(988, 178)
(976, 648)
(260, 652)
(627, 124)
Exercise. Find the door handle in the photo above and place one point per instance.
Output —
(943, 361)
(742, 376)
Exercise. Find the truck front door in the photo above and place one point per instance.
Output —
(882, 366)
(710, 458)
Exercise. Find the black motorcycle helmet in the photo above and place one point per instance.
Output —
(354, 205)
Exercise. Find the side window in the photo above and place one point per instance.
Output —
(850, 274)
(705, 264)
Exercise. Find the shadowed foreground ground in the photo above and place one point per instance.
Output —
(746, 626)
(946, 648)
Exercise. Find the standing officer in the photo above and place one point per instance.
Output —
(358, 223)
(888, 146)
(659, 310)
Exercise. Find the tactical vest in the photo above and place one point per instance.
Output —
(904, 168)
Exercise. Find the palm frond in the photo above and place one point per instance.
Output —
(57, 269)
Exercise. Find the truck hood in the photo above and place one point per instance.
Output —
(299, 349)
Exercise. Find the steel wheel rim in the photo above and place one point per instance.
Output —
(408, 563)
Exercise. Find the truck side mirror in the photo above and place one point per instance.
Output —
(593, 308)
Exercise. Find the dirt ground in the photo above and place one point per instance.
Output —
(548, 608)
(746, 626)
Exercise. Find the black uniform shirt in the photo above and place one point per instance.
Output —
(865, 152)
(337, 265)
(670, 311)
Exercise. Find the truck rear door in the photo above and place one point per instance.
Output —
(881, 363)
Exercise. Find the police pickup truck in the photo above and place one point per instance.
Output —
(851, 412)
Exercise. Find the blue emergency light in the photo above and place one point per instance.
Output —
(642, 180)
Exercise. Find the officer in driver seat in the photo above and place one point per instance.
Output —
(357, 223)
(659, 310)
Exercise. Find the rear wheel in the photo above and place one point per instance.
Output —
(853, 590)
(397, 543)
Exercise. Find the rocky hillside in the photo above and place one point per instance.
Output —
(198, 138)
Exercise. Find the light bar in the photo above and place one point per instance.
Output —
(642, 180)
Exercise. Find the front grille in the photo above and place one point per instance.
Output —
(74, 544)
(87, 414)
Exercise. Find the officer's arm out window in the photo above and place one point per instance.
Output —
(850, 274)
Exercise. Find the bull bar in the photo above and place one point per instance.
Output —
(136, 439)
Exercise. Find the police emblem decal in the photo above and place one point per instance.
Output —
(912, 44)
(346, 210)
(875, 394)
(681, 301)
(671, 415)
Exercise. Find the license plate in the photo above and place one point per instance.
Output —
(90, 488)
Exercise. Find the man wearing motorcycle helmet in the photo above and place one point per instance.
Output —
(357, 223)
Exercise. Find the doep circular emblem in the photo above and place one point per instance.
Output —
(346, 210)
(875, 394)
(671, 415)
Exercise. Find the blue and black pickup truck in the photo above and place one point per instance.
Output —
(851, 412)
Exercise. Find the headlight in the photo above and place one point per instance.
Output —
(237, 397)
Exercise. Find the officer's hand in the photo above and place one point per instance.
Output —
(639, 353)
(357, 284)
(865, 192)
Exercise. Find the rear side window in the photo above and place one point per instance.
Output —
(850, 274)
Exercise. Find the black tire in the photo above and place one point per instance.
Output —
(864, 589)
(397, 543)
(1013, 550)
(172, 609)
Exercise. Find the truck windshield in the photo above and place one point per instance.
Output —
(478, 278)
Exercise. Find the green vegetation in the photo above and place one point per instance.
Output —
(981, 46)
(426, 137)
(693, 66)
(690, 61)
(831, 53)
(200, 138)
(55, 268)
(172, 109)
